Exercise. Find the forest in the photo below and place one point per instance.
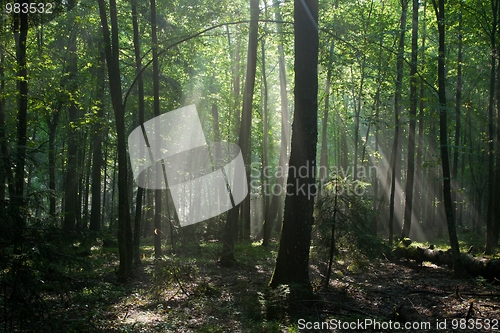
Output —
(249, 166)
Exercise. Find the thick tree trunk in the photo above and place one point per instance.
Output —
(292, 263)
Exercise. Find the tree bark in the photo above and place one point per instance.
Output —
(458, 266)
(419, 170)
(227, 256)
(458, 105)
(112, 59)
(397, 111)
(156, 112)
(95, 213)
(413, 119)
(140, 97)
(495, 229)
(246, 113)
(323, 162)
(267, 226)
(17, 201)
(4, 164)
(277, 200)
(292, 263)
(487, 268)
(71, 181)
(490, 218)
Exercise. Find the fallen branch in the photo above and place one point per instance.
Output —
(487, 268)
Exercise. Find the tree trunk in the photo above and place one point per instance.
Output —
(5, 167)
(419, 170)
(276, 208)
(323, 162)
(267, 227)
(95, 213)
(86, 184)
(140, 97)
(458, 104)
(246, 113)
(235, 68)
(357, 113)
(496, 213)
(52, 125)
(488, 268)
(112, 59)
(292, 263)
(71, 181)
(397, 111)
(458, 266)
(413, 119)
(4, 164)
(374, 225)
(17, 201)
(227, 256)
(156, 112)
(490, 218)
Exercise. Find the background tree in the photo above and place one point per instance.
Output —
(443, 138)
(413, 115)
(18, 198)
(397, 112)
(113, 63)
(156, 111)
(140, 91)
(71, 181)
(227, 256)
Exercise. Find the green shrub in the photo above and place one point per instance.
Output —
(351, 216)
(170, 270)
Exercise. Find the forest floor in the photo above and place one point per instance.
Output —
(190, 292)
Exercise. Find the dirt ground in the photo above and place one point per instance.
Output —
(377, 296)
(383, 293)
(408, 293)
